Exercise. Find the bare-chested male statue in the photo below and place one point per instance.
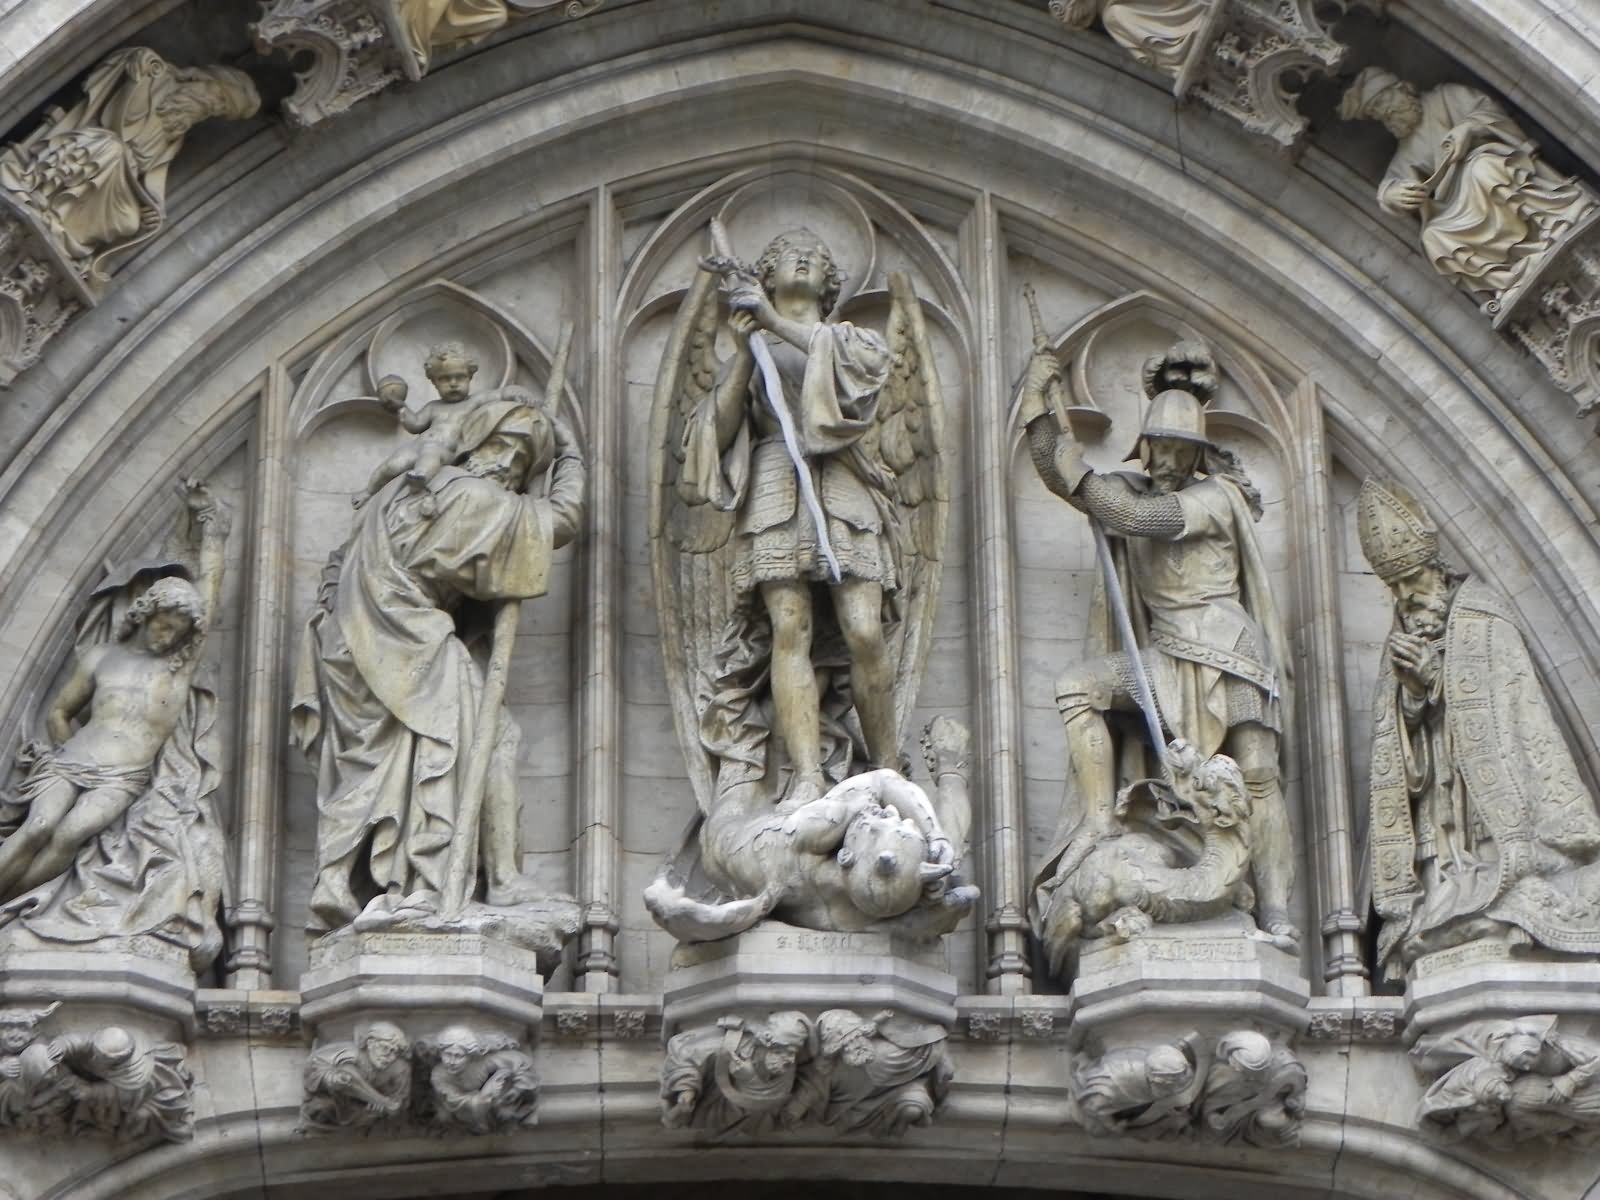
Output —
(135, 688)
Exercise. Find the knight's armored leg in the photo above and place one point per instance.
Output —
(1255, 749)
(1084, 694)
(794, 683)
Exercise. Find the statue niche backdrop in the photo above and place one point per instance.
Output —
(1482, 829)
(798, 517)
(113, 831)
(1191, 661)
(399, 699)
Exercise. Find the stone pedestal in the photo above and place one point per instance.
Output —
(422, 982)
(1480, 981)
(138, 983)
(779, 967)
(1215, 975)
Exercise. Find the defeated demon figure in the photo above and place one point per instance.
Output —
(871, 854)
(1190, 863)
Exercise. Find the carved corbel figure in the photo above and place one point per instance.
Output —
(1514, 1081)
(355, 1085)
(359, 47)
(1254, 1092)
(879, 1075)
(1244, 58)
(95, 175)
(32, 1094)
(738, 1076)
(480, 1082)
(122, 1085)
(843, 1073)
(1146, 1092)
(112, 831)
(1481, 826)
(1489, 206)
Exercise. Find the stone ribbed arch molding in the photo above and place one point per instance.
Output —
(1016, 170)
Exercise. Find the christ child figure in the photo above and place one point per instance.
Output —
(438, 424)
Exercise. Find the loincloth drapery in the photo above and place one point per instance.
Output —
(48, 767)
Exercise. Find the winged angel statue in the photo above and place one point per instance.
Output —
(798, 514)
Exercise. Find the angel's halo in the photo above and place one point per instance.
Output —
(789, 200)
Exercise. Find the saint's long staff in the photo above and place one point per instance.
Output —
(724, 262)
(459, 880)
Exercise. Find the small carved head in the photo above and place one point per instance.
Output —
(19, 1025)
(782, 1038)
(1518, 1046)
(1380, 95)
(520, 449)
(1168, 1070)
(450, 368)
(886, 862)
(205, 92)
(112, 1046)
(384, 1043)
(170, 611)
(457, 1045)
(1422, 599)
(1245, 1050)
(848, 1036)
(799, 259)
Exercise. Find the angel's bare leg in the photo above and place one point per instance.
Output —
(794, 684)
(859, 605)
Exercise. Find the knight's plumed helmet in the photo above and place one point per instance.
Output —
(1178, 415)
(1396, 535)
(1364, 89)
(1180, 383)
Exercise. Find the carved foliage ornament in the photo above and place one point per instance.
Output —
(359, 47)
(1238, 57)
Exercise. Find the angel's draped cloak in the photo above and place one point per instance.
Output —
(388, 684)
(1495, 204)
(831, 390)
(1479, 772)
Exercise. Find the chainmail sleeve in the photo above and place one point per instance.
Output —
(1122, 510)
(1105, 497)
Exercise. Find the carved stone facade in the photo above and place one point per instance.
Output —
(716, 593)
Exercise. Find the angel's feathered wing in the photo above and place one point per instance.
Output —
(689, 553)
(911, 443)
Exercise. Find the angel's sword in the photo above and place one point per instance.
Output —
(725, 264)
